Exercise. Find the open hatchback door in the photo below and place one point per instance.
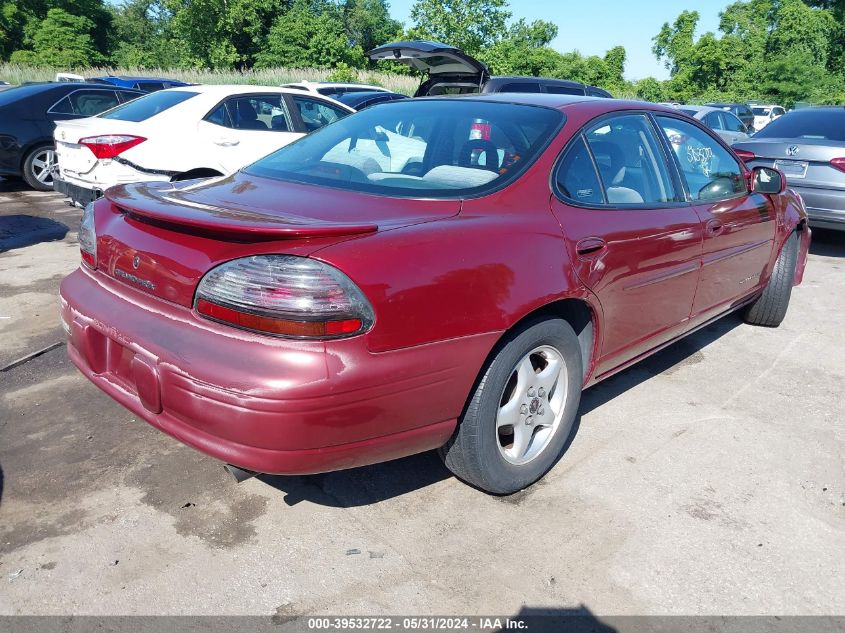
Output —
(449, 70)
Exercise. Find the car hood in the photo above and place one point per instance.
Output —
(434, 58)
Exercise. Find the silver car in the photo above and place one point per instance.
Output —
(808, 145)
(725, 124)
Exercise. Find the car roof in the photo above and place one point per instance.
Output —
(226, 89)
(558, 102)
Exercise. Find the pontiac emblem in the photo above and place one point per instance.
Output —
(136, 261)
(792, 150)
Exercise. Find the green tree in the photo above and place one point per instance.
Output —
(471, 25)
(62, 40)
(368, 23)
(311, 34)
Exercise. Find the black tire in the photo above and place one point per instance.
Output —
(32, 167)
(473, 453)
(769, 308)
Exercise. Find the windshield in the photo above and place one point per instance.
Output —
(761, 111)
(691, 113)
(143, 108)
(823, 124)
(419, 148)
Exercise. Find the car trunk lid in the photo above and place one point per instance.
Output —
(437, 60)
(161, 238)
(804, 161)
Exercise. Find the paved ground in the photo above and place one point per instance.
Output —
(709, 479)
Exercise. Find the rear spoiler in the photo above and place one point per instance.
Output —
(161, 203)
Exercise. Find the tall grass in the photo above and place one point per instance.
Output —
(16, 74)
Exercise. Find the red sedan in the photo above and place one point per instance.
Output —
(443, 273)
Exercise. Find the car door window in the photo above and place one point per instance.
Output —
(529, 86)
(125, 95)
(631, 163)
(732, 124)
(576, 176)
(710, 171)
(253, 112)
(315, 114)
(714, 121)
(567, 90)
(86, 102)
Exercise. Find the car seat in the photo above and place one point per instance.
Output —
(247, 117)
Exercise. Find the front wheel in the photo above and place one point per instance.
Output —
(769, 309)
(39, 167)
(521, 412)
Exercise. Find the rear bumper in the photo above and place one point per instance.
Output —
(77, 193)
(825, 207)
(259, 403)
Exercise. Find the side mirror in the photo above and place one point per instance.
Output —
(767, 180)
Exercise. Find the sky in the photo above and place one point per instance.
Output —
(594, 26)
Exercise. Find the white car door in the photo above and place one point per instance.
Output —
(245, 128)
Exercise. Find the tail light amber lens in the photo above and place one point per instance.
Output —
(284, 295)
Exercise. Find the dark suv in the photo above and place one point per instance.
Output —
(741, 110)
(451, 71)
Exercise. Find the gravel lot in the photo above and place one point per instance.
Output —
(709, 479)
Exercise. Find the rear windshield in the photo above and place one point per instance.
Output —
(148, 106)
(421, 149)
(809, 123)
(691, 113)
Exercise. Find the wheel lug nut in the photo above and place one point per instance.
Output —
(523, 409)
(529, 421)
(530, 392)
(541, 392)
(542, 411)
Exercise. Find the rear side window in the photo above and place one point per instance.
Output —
(520, 87)
(713, 121)
(732, 124)
(565, 90)
(315, 114)
(710, 171)
(630, 161)
(576, 176)
(148, 106)
(150, 86)
(807, 123)
(253, 112)
(86, 102)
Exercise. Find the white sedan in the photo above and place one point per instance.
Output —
(183, 133)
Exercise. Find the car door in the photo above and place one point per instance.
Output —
(739, 226)
(246, 127)
(734, 129)
(633, 239)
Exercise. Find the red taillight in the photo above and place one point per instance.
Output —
(280, 327)
(110, 145)
(284, 295)
(839, 163)
(745, 155)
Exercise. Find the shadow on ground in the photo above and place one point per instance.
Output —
(18, 231)
(557, 620)
(380, 482)
(828, 243)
